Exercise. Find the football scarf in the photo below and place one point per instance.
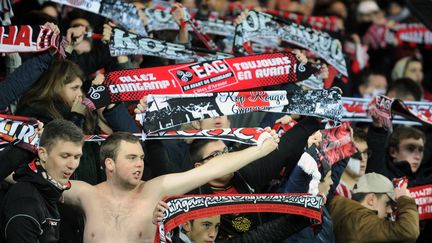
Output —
(184, 208)
(336, 144)
(249, 136)
(423, 198)
(228, 74)
(127, 43)
(162, 20)
(27, 38)
(411, 34)
(122, 12)
(37, 168)
(6, 12)
(326, 23)
(166, 111)
(269, 30)
(383, 108)
(19, 131)
(355, 110)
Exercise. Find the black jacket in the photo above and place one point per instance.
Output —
(29, 211)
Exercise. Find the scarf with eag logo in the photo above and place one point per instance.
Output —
(229, 74)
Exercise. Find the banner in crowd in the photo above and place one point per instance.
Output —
(336, 144)
(355, 110)
(383, 108)
(326, 23)
(19, 131)
(122, 12)
(248, 135)
(166, 111)
(266, 29)
(184, 208)
(27, 38)
(127, 43)
(229, 74)
(423, 198)
(6, 12)
(162, 20)
(412, 34)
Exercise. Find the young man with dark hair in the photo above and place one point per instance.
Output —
(401, 157)
(372, 84)
(29, 210)
(365, 219)
(405, 89)
(407, 144)
(120, 209)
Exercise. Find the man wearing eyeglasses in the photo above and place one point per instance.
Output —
(253, 178)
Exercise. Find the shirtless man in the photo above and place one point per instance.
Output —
(120, 209)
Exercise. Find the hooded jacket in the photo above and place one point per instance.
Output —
(29, 211)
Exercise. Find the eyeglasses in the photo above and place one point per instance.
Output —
(216, 153)
(411, 148)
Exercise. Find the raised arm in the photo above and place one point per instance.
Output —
(217, 167)
(78, 191)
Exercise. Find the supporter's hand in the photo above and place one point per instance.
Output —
(315, 138)
(300, 56)
(284, 120)
(98, 80)
(324, 71)
(158, 212)
(40, 127)
(178, 13)
(54, 28)
(141, 106)
(75, 35)
(402, 191)
(107, 32)
(78, 106)
(268, 141)
(241, 17)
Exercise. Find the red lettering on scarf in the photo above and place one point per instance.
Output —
(9, 40)
(23, 36)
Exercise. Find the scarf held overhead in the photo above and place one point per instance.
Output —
(266, 29)
(336, 144)
(127, 43)
(248, 135)
(185, 208)
(122, 12)
(165, 111)
(382, 109)
(19, 131)
(27, 38)
(228, 74)
(355, 110)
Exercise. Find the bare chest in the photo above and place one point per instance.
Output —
(120, 222)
